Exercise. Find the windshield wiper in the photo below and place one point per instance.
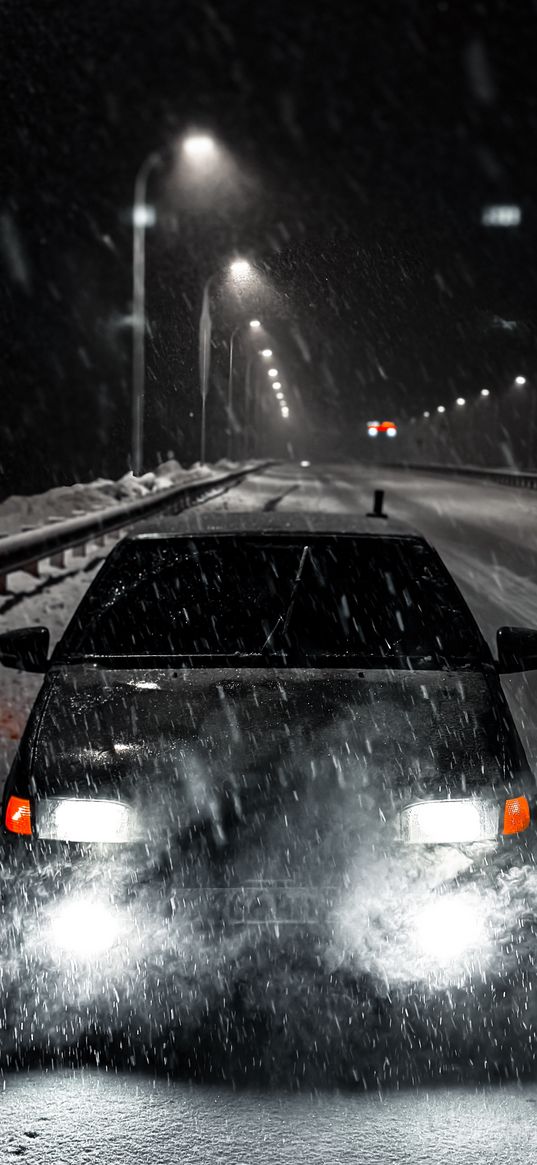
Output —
(287, 618)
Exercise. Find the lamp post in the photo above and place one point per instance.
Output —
(202, 153)
(140, 220)
(254, 324)
(240, 269)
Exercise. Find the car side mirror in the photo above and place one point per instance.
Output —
(517, 649)
(25, 649)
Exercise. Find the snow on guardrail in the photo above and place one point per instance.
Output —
(25, 549)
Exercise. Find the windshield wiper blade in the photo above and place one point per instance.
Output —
(287, 618)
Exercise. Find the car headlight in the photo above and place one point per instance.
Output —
(85, 820)
(445, 822)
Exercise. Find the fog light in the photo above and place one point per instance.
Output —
(84, 929)
(450, 928)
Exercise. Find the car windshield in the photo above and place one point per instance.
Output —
(365, 597)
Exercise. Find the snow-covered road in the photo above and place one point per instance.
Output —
(486, 534)
(90, 1118)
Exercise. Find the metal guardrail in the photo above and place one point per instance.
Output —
(24, 551)
(519, 479)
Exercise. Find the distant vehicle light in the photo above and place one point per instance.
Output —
(254, 323)
(391, 432)
(449, 822)
(85, 820)
(372, 431)
(485, 392)
(305, 464)
(83, 928)
(18, 816)
(502, 215)
(516, 815)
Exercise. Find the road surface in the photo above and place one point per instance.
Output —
(89, 1118)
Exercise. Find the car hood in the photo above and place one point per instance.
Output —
(278, 764)
(385, 730)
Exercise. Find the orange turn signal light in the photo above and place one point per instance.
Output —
(18, 816)
(516, 815)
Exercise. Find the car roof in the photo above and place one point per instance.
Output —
(248, 522)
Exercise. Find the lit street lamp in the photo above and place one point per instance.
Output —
(240, 269)
(485, 392)
(520, 380)
(253, 324)
(460, 401)
(200, 150)
(142, 217)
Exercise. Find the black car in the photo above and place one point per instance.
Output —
(273, 725)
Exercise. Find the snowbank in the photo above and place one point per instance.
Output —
(71, 501)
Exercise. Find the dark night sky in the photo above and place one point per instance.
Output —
(367, 138)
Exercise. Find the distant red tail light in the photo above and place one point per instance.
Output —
(18, 816)
(516, 815)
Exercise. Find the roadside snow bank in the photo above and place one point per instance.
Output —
(19, 512)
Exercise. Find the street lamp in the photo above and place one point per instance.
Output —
(240, 269)
(460, 401)
(441, 409)
(142, 217)
(199, 149)
(266, 352)
(485, 392)
(276, 384)
(426, 413)
(273, 372)
(520, 380)
(253, 324)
